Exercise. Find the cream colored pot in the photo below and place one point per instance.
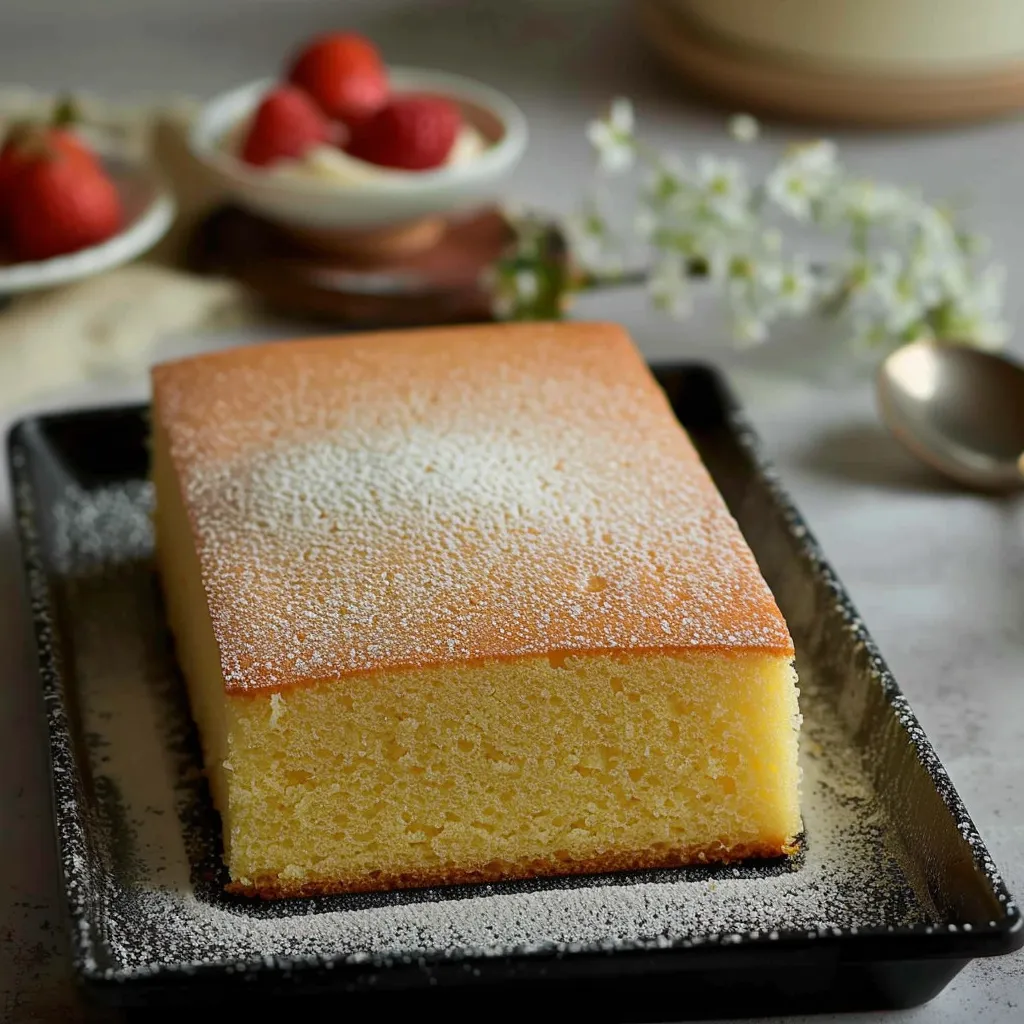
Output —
(902, 37)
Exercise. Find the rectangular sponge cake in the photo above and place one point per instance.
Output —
(464, 604)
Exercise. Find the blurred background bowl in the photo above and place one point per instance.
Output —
(869, 62)
(149, 211)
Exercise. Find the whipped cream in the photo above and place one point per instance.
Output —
(331, 164)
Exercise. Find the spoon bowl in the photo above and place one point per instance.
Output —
(958, 409)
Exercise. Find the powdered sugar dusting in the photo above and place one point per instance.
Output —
(451, 496)
(159, 906)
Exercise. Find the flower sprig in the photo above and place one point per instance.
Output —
(902, 269)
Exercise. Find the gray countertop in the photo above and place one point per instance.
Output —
(938, 575)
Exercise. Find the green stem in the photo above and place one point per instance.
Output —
(859, 237)
(65, 113)
(591, 281)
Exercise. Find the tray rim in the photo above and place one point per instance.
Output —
(874, 944)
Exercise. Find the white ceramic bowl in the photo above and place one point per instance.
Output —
(149, 211)
(391, 197)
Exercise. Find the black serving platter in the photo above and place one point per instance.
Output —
(144, 937)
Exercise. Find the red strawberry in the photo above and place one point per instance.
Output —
(413, 133)
(25, 143)
(287, 123)
(60, 205)
(344, 73)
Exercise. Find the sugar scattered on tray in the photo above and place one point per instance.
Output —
(156, 831)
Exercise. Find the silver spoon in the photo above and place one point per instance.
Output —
(958, 409)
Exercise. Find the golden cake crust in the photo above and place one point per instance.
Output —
(272, 887)
(530, 493)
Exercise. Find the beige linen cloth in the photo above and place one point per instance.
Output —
(107, 326)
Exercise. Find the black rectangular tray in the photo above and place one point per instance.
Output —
(893, 893)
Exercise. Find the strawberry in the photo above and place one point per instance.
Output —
(286, 125)
(414, 133)
(26, 142)
(58, 205)
(344, 73)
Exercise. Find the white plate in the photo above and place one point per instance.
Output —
(149, 211)
(390, 197)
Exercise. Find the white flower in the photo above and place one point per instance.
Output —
(587, 235)
(907, 268)
(868, 331)
(669, 286)
(870, 202)
(761, 290)
(750, 330)
(976, 318)
(816, 159)
(751, 289)
(771, 240)
(990, 289)
(612, 137)
(621, 116)
(900, 303)
(526, 285)
(511, 292)
(717, 256)
(768, 276)
(788, 190)
(738, 291)
(669, 174)
(943, 271)
(724, 188)
(744, 128)
(503, 301)
(928, 288)
(935, 228)
(987, 334)
(797, 288)
(645, 222)
(802, 178)
(939, 256)
(672, 193)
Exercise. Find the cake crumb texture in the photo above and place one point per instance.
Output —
(545, 767)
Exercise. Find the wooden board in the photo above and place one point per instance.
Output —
(441, 284)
